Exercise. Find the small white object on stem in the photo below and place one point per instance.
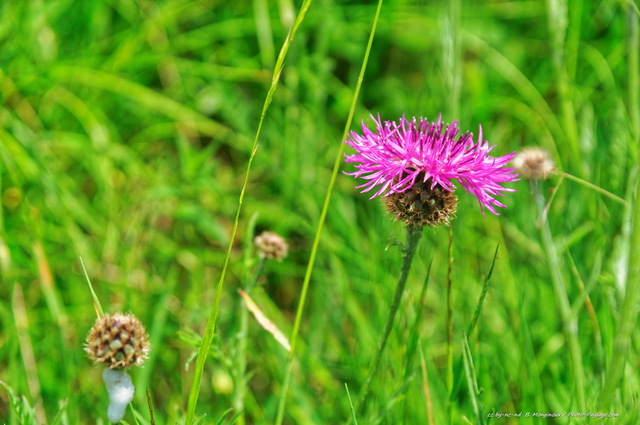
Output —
(120, 389)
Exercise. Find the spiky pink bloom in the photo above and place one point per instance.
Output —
(393, 156)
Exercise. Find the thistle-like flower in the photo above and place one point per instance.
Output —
(414, 164)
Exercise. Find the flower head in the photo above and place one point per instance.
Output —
(534, 163)
(394, 158)
(271, 246)
(118, 341)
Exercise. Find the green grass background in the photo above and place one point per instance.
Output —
(125, 129)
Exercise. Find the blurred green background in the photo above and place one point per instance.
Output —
(125, 129)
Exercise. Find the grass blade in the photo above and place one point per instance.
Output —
(96, 301)
(323, 215)
(146, 97)
(213, 316)
(472, 382)
(485, 288)
(353, 412)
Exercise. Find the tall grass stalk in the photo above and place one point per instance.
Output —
(569, 320)
(323, 216)
(203, 351)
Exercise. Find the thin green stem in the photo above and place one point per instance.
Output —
(353, 412)
(203, 351)
(323, 216)
(594, 187)
(133, 413)
(413, 237)
(633, 61)
(450, 327)
(569, 321)
(240, 387)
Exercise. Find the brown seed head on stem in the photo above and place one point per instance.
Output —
(118, 341)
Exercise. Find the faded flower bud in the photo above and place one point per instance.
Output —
(271, 246)
(534, 163)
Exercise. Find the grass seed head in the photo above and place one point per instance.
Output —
(118, 341)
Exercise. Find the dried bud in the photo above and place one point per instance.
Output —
(534, 163)
(421, 205)
(271, 246)
(118, 341)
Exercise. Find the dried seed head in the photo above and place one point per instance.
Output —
(422, 206)
(534, 163)
(118, 341)
(271, 246)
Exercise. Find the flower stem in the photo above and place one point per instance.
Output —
(414, 233)
(569, 321)
(240, 387)
(594, 187)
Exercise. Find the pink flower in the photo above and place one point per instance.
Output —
(394, 156)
